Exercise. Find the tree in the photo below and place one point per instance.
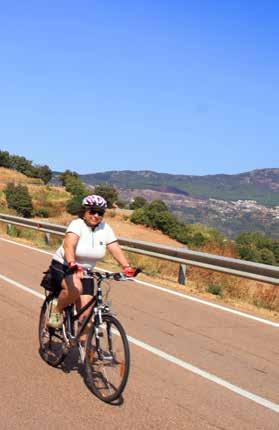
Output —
(43, 172)
(76, 187)
(66, 175)
(5, 159)
(108, 192)
(22, 165)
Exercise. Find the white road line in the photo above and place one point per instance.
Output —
(213, 305)
(26, 246)
(209, 376)
(22, 287)
(174, 293)
(184, 364)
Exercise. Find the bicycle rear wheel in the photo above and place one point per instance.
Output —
(107, 359)
(51, 340)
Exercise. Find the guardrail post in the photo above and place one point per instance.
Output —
(182, 278)
(9, 228)
(47, 238)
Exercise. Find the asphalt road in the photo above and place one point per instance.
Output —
(196, 368)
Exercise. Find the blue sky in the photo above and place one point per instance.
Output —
(172, 86)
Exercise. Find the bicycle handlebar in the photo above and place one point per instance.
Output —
(116, 276)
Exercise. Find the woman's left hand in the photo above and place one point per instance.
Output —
(129, 272)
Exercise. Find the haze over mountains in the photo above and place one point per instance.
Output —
(232, 203)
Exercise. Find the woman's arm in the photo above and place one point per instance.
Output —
(70, 244)
(117, 253)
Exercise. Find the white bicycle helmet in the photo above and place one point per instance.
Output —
(94, 201)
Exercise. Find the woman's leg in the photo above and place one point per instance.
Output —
(71, 290)
(70, 293)
(82, 301)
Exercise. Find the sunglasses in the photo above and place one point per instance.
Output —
(99, 212)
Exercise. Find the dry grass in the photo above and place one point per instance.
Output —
(9, 175)
(51, 198)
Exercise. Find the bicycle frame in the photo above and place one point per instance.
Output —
(95, 314)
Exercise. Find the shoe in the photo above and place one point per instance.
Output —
(55, 319)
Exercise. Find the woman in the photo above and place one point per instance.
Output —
(85, 241)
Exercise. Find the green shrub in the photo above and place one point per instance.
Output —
(18, 198)
(139, 216)
(138, 202)
(254, 246)
(122, 204)
(198, 239)
(217, 290)
(267, 256)
(76, 187)
(42, 213)
(13, 231)
(73, 206)
(157, 215)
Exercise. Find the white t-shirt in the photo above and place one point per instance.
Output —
(92, 243)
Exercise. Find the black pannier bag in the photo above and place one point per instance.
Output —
(46, 282)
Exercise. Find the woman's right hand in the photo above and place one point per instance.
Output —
(75, 267)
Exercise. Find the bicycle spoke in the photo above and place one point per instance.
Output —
(107, 364)
(51, 340)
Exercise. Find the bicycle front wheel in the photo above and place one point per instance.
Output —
(52, 343)
(107, 359)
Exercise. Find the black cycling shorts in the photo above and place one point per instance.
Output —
(59, 271)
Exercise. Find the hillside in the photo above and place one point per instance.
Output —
(231, 203)
(51, 198)
(261, 185)
(54, 198)
(235, 213)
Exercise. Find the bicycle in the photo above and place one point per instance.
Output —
(106, 356)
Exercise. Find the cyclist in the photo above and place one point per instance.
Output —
(85, 241)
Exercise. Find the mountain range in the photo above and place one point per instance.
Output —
(261, 185)
(233, 204)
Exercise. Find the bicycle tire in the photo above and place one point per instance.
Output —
(51, 341)
(107, 370)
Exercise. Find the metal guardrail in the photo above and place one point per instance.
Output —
(183, 256)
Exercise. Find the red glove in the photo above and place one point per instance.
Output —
(129, 272)
(74, 266)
